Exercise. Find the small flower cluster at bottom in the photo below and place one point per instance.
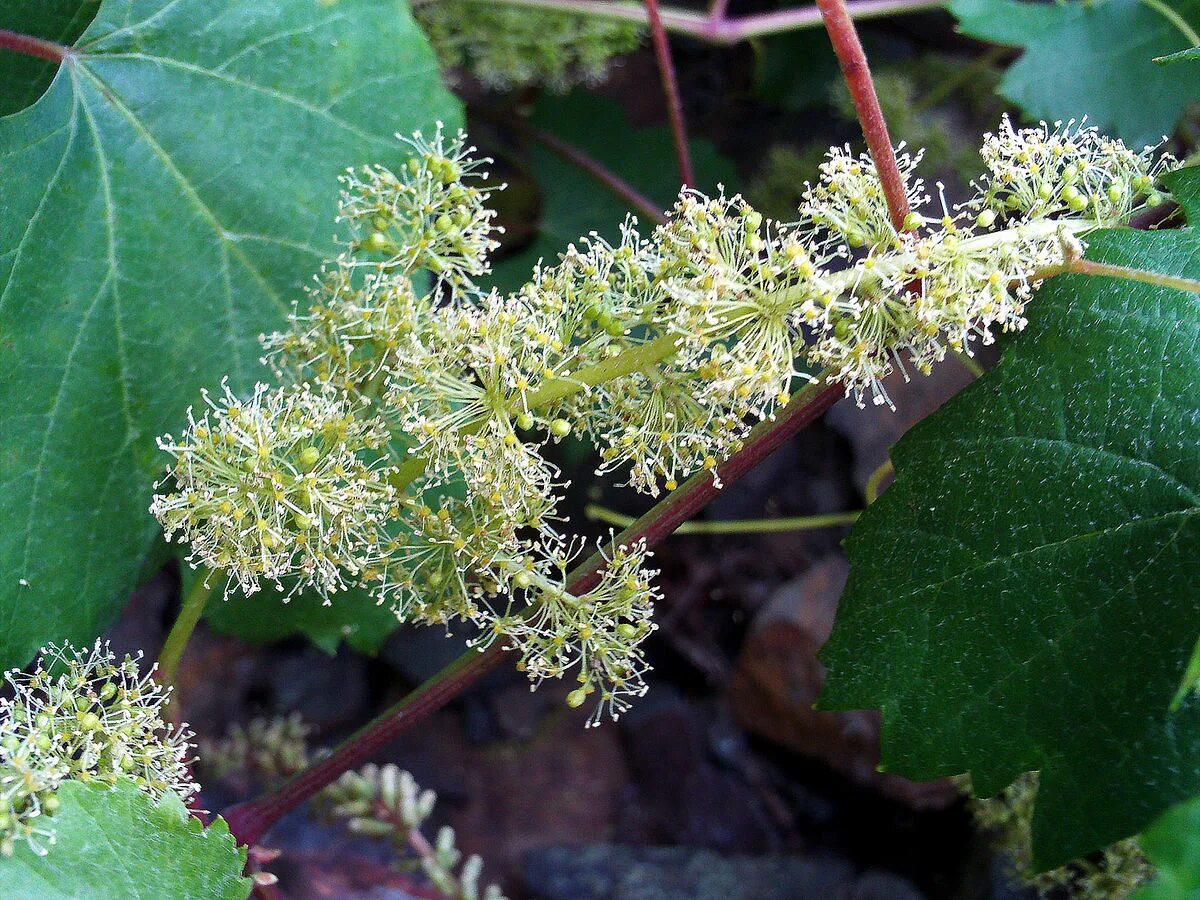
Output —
(83, 715)
(376, 801)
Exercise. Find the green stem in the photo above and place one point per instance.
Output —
(871, 492)
(643, 356)
(1106, 270)
(742, 526)
(969, 364)
(189, 614)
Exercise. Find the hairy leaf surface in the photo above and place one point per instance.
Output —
(1092, 59)
(162, 203)
(115, 842)
(1025, 596)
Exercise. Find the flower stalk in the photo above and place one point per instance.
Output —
(670, 84)
(740, 526)
(857, 73)
(194, 601)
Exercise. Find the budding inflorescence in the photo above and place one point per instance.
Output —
(431, 215)
(408, 450)
(83, 715)
(288, 482)
(386, 802)
(507, 48)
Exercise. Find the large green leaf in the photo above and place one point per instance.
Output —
(1093, 59)
(352, 616)
(115, 842)
(573, 203)
(1025, 596)
(162, 203)
(1172, 843)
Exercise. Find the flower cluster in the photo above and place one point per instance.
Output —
(849, 204)
(82, 715)
(507, 48)
(386, 802)
(270, 749)
(350, 332)
(598, 632)
(1066, 170)
(276, 485)
(407, 452)
(432, 215)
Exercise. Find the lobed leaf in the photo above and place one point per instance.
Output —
(1093, 59)
(115, 842)
(163, 201)
(1024, 596)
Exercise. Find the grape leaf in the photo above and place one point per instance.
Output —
(115, 842)
(1172, 843)
(1024, 596)
(352, 616)
(163, 202)
(1093, 59)
(573, 203)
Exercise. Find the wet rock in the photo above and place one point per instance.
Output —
(614, 872)
(778, 678)
(679, 793)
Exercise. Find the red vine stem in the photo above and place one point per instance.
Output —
(853, 60)
(598, 172)
(249, 821)
(31, 46)
(666, 71)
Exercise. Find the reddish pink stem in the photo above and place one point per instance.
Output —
(853, 60)
(666, 71)
(31, 46)
(606, 177)
(717, 10)
(249, 821)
